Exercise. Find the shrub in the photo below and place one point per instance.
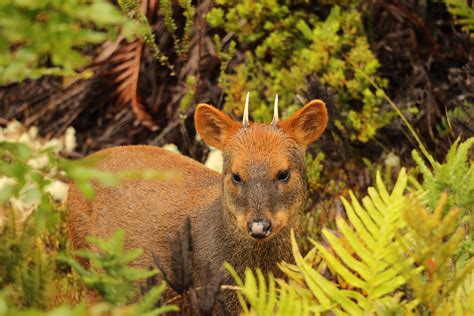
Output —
(47, 37)
(286, 43)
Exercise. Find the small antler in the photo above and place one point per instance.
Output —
(245, 120)
(275, 112)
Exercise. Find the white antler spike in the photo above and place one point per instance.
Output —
(245, 120)
(275, 112)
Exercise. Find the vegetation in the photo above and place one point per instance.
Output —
(395, 253)
(33, 239)
(464, 14)
(40, 38)
(286, 44)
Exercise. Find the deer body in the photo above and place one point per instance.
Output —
(243, 216)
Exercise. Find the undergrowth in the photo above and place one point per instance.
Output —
(407, 251)
(286, 43)
(35, 277)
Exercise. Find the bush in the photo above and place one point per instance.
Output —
(286, 43)
(48, 37)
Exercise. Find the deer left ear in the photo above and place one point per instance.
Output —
(307, 125)
(214, 127)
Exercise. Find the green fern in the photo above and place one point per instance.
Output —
(455, 176)
(463, 299)
(368, 233)
(270, 297)
(392, 255)
(464, 14)
(432, 240)
(110, 274)
(372, 278)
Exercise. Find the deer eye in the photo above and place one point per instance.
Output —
(283, 176)
(236, 178)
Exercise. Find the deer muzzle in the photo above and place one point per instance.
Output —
(260, 229)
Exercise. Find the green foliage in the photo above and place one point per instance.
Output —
(109, 273)
(463, 299)
(181, 45)
(287, 43)
(33, 238)
(394, 253)
(272, 297)
(133, 10)
(145, 307)
(31, 231)
(26, 265)
(314, 167)
(455, 176)
(433, 246)
(464, 14)
(46, 37)
(368, 233)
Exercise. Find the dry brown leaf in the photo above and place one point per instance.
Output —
(125, 61)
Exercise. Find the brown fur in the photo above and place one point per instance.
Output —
(151, 210)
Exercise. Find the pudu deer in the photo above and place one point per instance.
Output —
(243, 216)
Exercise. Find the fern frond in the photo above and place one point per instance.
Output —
(146, 306)
(455, 176)
(432, 240)
(394, 252)
(126, 71)
(270, 296)
(464, 297)
(463, 13)
(362, 255)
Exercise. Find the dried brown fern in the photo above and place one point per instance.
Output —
(126, 71)
(125, 60)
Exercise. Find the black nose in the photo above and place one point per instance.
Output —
(260, 228)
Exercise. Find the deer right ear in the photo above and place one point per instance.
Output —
(308, 123)
(214, 126)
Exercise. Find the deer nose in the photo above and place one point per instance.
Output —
(260, 229)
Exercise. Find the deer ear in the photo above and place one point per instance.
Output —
(214, 127)
(306, 125)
